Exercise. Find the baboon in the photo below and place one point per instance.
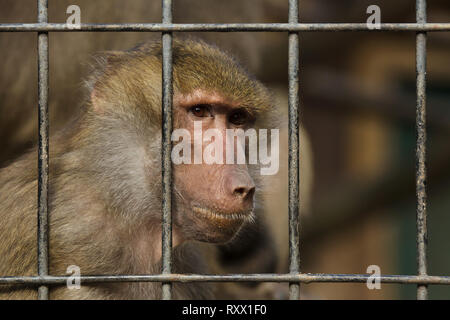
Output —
(259, 247)
(105, 192)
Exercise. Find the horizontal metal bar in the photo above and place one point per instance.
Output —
(269, 277)
(223, 27)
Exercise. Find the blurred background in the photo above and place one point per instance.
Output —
(357, 104)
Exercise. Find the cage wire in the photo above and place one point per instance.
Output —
(295, 277)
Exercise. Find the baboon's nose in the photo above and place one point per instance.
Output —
(241, 187)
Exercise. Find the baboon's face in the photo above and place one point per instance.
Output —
(213, 200)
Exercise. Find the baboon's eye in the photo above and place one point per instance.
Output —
(239, 117)
(201, 110)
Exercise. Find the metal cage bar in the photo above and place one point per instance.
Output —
(294, 145)
(166, 149)
(421, 175)
(265, 277)
(43, 159)
(294, 277)
(222, 27)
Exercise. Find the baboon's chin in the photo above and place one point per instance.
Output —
(205, 230)
(217, 227)
(218, 236)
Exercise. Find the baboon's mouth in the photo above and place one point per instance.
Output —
(218, 215)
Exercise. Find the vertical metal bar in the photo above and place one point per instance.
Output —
(421, 61)
(294, 144)
(166, 149)
(43, 160)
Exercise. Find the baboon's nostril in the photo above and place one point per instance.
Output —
(244, 192)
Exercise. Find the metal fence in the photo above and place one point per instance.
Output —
(293, 27)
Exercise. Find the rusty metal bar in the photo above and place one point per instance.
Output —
(294, 147)
(167, 89)
(267, 277)
(223, 27)
(43, 160)
(421, 174)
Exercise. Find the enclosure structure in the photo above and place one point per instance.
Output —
(43, 280)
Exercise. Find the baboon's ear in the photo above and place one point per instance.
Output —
(101, 68)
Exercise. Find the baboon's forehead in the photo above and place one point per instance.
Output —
(197, 65)
(211, 69)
